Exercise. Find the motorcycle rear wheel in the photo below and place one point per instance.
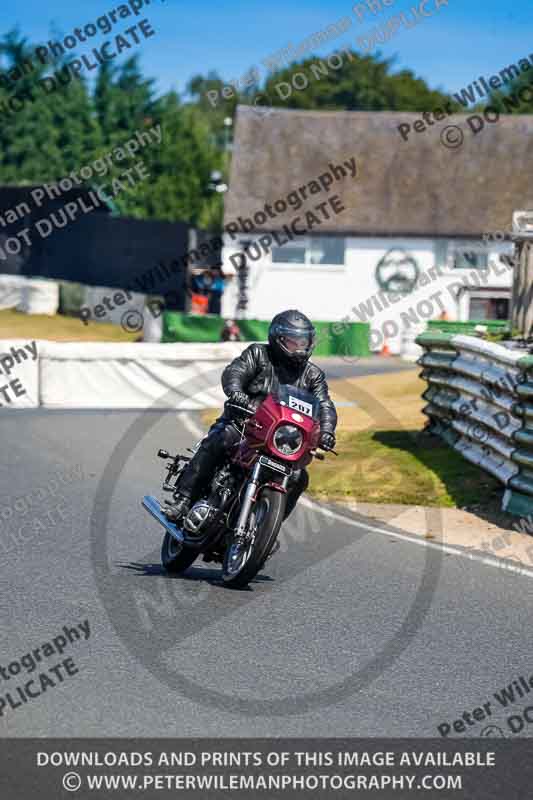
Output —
(174, 558)
(268, 513)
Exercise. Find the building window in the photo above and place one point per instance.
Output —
(485, 308)
(462, 254)
(290, 253)
(441, 253)
(326, 250)
(313, 250)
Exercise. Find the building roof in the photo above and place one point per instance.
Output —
(417, 187)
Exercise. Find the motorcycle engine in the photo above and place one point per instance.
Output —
(205, 510)
(198, 517)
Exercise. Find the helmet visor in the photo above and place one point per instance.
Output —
(297, 343)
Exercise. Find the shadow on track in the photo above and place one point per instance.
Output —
(212, 576)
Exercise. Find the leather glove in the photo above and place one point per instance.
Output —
(238, 399)
(327, 440)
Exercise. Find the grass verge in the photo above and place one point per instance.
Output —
(384, 457)
(401, 467)
(16, 325)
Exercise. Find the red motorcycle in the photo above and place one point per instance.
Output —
(237, 518)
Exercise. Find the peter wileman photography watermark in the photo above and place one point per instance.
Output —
(320, 67)
(102, 195)
(424, 309)
(278, 60)
(8, 362)
(320, 766)
(404, 19)
(24, 517)
(133, 320)
(18, 688)
(53, 50)
(452, 136)
(470, 721)
(294, 199)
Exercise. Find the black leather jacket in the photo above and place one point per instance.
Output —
(257, 373)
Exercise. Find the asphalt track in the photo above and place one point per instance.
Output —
(350, 367)
(349, 632)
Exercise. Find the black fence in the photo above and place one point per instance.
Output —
(96, 248)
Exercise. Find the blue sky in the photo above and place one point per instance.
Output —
(460, 42)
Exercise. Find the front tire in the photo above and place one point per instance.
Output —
(268, 512)
(174, 558)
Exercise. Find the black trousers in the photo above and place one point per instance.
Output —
(222, 437)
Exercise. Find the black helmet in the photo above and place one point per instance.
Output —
(291, 336)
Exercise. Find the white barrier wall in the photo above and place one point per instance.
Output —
(120, 375)
(39, 297)
(11, 287)
(19, 373)
(31, 295)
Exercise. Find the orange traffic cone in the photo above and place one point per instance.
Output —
(385, 349)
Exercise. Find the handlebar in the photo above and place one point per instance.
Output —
(321, 456)
(242, 409)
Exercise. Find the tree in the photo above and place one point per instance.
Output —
(360, 83)
(215, 104)
(180, 170)
(60, 131)
(123, 100)
(513, 99)
(54, 131)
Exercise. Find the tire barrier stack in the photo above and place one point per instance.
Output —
(480, 401)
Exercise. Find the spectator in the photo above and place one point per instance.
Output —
(216, 290)
(209, 284)
(230, 332)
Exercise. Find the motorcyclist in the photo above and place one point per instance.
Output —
(256, 373)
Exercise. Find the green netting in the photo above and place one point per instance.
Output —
(191, 328)
(342, 339)
(468, 328)
(333, 338)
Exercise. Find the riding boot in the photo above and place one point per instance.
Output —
(178, 508)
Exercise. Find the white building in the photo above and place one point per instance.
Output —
(417, 233)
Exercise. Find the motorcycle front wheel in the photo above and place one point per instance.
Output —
(266, 517)
(176, 558)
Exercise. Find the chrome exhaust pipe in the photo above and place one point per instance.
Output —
(152, 505)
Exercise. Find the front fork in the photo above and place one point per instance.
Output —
(250, 495)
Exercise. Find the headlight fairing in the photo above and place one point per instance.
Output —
(288, 439)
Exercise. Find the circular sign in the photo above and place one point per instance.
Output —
(397, 272)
